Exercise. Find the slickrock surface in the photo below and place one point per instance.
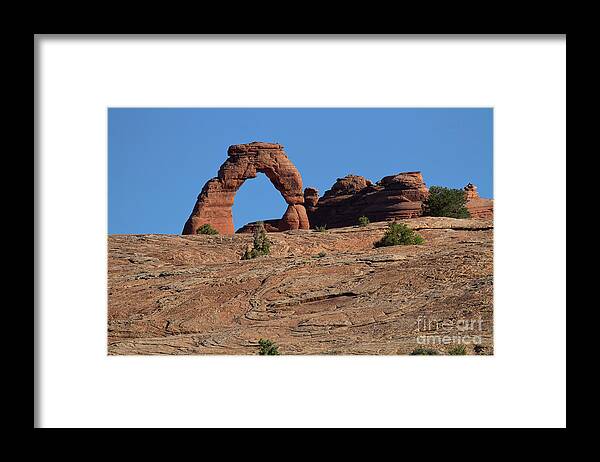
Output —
(213, 205)
(191, 294)
(393, 197)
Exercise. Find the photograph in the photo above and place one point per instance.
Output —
(300, 231)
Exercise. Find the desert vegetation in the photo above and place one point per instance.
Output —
(458, 350)
(267, 348)
(446, 202)
(363, 221)
(206, 229)
(479, 349)
(424, 352)
(399, 234)
(261, 244)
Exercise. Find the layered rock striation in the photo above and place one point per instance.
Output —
(393, 197)
(328, 293)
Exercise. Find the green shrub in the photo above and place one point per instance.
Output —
(206, 229)
(267, 347)
(424, 351)
(458, 350)
(321, 229)
(399, 234)
(363, 221)
(446, 202)
(261, 243)
(333, 352)
(479, 349)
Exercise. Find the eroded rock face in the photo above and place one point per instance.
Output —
(350, 184)
(410, 182)
(393, 197)
(213, 205)
(477, 206)
(192, 294)
(271, 226)
(294, 218)
(311, 197)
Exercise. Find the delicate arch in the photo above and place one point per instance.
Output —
(214, 203)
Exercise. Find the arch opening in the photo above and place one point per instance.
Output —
(257, 200)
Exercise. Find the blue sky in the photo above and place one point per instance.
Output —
(159, 159)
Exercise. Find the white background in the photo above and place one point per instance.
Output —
(522, 385)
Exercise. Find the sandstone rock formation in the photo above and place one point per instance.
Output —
(271, 226)
(213, 205)
(477, 206)
(311, 197)
(397, 196)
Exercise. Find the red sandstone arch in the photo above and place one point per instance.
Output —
(213, 205)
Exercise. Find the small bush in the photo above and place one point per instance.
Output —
(458, 350)
(321, 229)
(363, 221)
(249, 254)
(206, 229)
(446, 202)
(399, 234)
(261, 243)
(321, 254)
(424, 352)
(479, 349)
(267, 348)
